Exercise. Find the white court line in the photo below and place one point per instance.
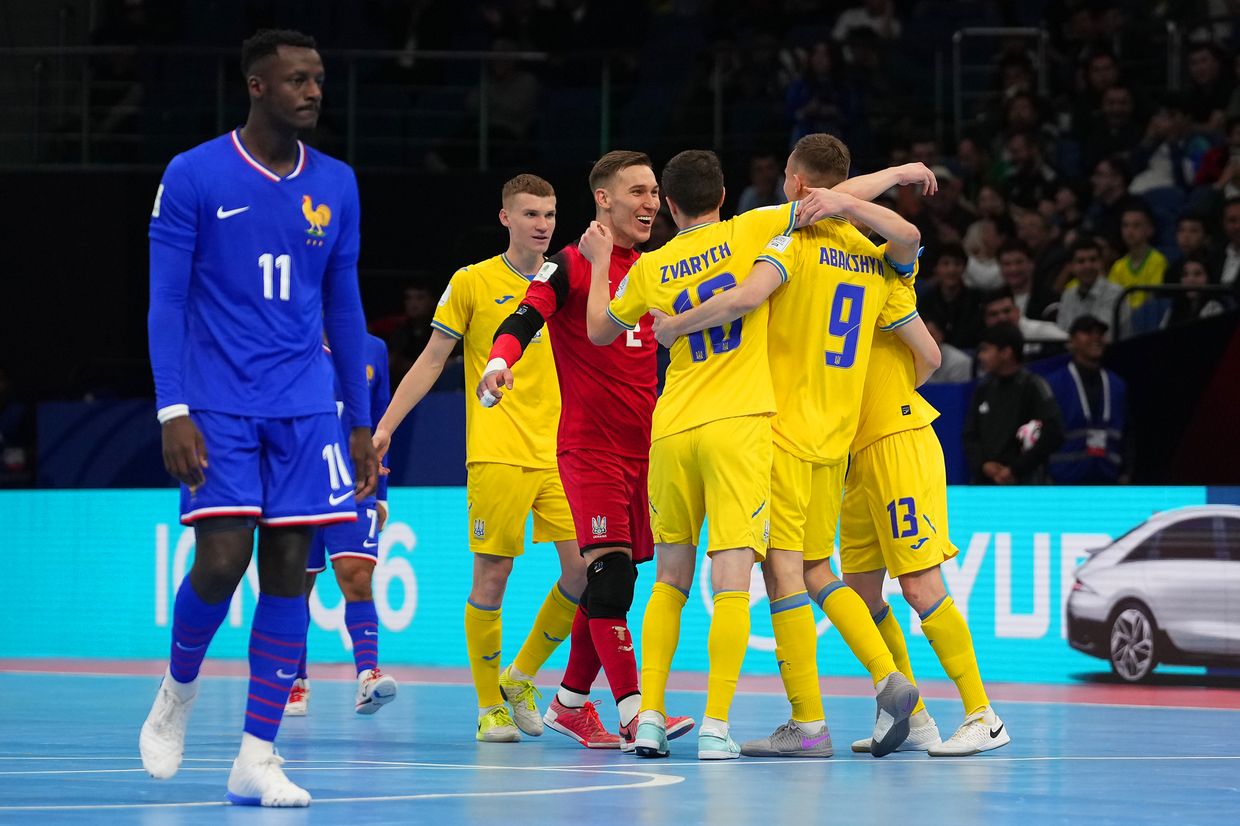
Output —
(744, 692)
(649, 780)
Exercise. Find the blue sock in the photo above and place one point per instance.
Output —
(363, 623)
(194, 624)
(277, 640)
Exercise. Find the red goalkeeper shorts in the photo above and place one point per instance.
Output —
(609, 500)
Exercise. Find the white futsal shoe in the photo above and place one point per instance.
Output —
(256, 778)
(162, 742)
(374, 690)
(922, 734)
(298, 698)
(980, 732)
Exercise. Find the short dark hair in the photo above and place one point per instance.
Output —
(1196, 217)
(606, 167)
(266, 42)
(1231, 202)
(1117, 163)
(997, 294)
(693, 179)
(825, 157)
(1004, 335)
(1138, 204)
(951, 250)
(1014, 245)
(1083, 245)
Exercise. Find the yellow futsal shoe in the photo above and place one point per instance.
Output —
(496, 726)
(521, 695)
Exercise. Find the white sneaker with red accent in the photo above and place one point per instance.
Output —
(298, 698)
(374, 690)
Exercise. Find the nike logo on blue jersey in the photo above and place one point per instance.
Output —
(190, 647)
(493, 656)
(920, 542)
(370, 633)
(222, 213)
(370, 544)
(505, 299)
(336, 500)
(280, 673)
(551, 638)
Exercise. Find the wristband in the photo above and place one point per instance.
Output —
(172, 411)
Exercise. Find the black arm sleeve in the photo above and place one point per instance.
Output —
(523, 325)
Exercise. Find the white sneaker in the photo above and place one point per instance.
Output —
(298, 698)
(980, 732)
(261, 782)
(522, 695)
(922, 734)
(374, 690)
(162, 742)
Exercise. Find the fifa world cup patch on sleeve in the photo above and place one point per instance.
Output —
(545, 271)
(443, 299)
(622, 286)
(779, 243)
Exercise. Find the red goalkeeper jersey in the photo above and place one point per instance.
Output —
(607, 394)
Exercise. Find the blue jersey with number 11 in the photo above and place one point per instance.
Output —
(270, 254)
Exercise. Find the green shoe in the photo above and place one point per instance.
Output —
(496, 726)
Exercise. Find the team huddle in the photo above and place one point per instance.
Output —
(789, 409)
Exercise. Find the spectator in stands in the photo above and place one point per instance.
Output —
(1013, 424)
(1030, 179)
(818, 100)
(1169, 153)
(17, 440)
(1225, 268)
(1049, 256)
(948, 210)
(1109, 183)
(981, 242)
(1041, 338)
(1065, 212)
(1208, 90)
(991, 203)
(1141, 265)
(1024, 113)
(1090, 293)
(1220, 166)
(956, 367)
(766, 184)
(877, 15)
(1113, 129)
(1017, 267)
(954, 308)
(1099, 74)
(1094, 404)
(511, 99)
(1188, 307)
(973, 163)
(1192, 238)
(408, 338)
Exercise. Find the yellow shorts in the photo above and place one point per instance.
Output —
(895, 506)
(720, 472)
(500, 499)
(805, 504)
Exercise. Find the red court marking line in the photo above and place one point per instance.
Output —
(1082, 693)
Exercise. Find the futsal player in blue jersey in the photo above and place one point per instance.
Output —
(353, 548)
(254, 245)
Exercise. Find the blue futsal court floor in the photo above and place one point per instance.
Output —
(69, 754)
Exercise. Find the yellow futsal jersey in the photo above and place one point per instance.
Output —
(839, 288)
(890, 402)
(522, 430)
(721, 372)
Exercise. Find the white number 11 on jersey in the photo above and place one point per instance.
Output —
(282, 263)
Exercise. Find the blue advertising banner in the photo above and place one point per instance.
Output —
(93, 573)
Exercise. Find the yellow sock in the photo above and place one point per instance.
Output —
(660, 634)
(796, 649)
(483, 631)
(726, 644)
(949, 636)
(850, 617)
(551, 627)
(889, 627)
